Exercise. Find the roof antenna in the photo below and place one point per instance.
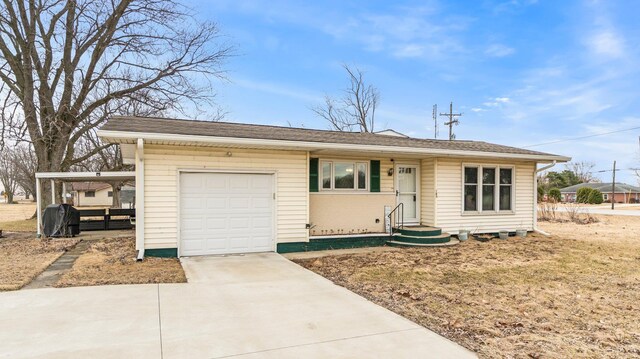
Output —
(451, 121)
(435, 121)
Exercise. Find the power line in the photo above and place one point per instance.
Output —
(583, 137)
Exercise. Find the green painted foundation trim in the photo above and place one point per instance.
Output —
(162, 252)
(322, 244)
(414, 233)
(443, 238)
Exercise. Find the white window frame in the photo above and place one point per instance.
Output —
(496, 190)
(355, 164)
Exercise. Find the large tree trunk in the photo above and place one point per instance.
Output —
(116, 186)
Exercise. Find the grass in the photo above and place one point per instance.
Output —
(17, 211)
(112, 261)
(22, 258)
(572, 295)
(23, 225)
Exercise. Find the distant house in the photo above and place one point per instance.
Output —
(90, 194)
(625, 193)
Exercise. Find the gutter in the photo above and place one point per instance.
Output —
(535, 198)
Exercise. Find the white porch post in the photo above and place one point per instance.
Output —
(140, 198)
(53, 192)
(64, 192)
(38, 208)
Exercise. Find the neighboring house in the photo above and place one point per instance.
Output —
(90, 194)
(624, 193)
(97, 194)
(215, 187)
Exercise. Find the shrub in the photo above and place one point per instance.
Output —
(540, 194)
(555, 195)
(582, 195)
(595, 197)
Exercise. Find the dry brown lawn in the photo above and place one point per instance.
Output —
(23, 225)
(17, 211)
(575, 294)
(22, 258)
(112, 261)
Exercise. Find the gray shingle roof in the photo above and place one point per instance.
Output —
(602, 187)
(241, 130)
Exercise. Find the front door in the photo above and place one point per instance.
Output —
(407, 180)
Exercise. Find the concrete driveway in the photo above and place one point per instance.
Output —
(251, 306)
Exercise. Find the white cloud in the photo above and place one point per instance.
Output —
(499, 50)
(606, 43)
(278, 89)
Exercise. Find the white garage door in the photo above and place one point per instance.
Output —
(226, 213)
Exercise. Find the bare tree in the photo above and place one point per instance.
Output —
(66, 65)
(356, 109)
(8, 175)
(25, 164)
(583, 170)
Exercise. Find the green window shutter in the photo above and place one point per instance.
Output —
(374, 183)
(313, 175)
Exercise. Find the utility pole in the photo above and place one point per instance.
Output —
(613, 187)
(451, 121)
(435, 121)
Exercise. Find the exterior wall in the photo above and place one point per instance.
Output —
(348, 213)
(161, 165)
(450, 216)
(623, 197)
(101, 199)
(353, 212)
(428, 191)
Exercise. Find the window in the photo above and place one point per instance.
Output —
(605, 196)
(326, 175)
(90, 194)
(506, 184)
(110, 194)
(493, 185)
(488, 188)
(470, 188)
(344, 175)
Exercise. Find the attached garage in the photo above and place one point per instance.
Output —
(223, 213)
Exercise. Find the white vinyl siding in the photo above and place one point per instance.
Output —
(428, 192)
(450, 215)
(161, 186)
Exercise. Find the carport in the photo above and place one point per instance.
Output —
(73, 177)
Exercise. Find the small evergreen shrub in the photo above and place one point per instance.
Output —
(582, 195)
(555, 195)
(595, 197)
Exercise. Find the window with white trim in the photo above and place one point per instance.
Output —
(488, 188)
(343, 175)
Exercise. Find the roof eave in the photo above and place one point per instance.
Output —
(128, 136)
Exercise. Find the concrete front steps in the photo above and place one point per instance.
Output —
(421, 236)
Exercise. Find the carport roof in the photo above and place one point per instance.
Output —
(149, 128)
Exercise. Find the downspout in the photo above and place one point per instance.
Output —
(140, 199)
(535, 198)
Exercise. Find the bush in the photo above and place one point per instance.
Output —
(555, 195)
(582, 195)
(540, 194)
(595, 197)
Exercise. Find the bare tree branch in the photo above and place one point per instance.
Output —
(67, 65)
(356, 109)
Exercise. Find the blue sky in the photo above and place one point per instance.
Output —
(522, 72)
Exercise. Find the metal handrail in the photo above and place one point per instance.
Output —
(399, 219)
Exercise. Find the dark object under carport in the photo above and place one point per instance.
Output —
(61, 220)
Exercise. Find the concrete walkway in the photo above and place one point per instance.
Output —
(51, 275)
(252, 306)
